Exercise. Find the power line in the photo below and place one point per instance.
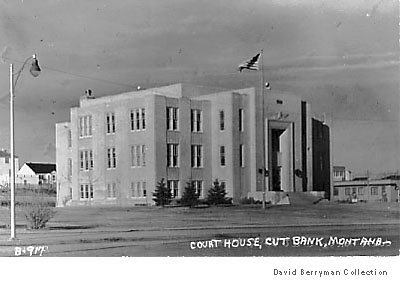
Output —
(213, 74)
(76, 75)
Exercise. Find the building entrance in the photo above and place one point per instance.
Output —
(280, 156)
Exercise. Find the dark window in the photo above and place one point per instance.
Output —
(222, 155)
(241, 120)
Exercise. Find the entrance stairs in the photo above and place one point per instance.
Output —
(303, 198)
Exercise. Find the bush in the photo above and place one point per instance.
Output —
(38, 214)
(217, 194)
(162, 194)
(190, 197)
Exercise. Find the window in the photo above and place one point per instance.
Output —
(85, 122)
(374, 190)
(91, 159)
(89, 120)
(241, 155)
(86, 159)
(335, 191)
(347, 191)
(85, 126)
(138, 189)
(133, 190)
(196, 121)
(222, 155)
(69, 169)
(172, 118)
(361, 190)
(137, 112)
(172, 155)
(81, 160)
(87, 164)
(221, 120)
(110, 123)
(197, 156)
(81, 128)
(383, 189)
(144, 189)
(86, 191)
(111, 190)
(138, 119)
(173, 186)
(241, 120)
(132, 117)
(198, 186)
(114, 158)
(143, 155)
(7, 160)
(138, 155)
(69, 138)
(143, 119)
(133, 156)
(111, 158)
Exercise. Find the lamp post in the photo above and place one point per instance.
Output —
(34, 70)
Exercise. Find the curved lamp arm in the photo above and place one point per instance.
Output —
(35, 69)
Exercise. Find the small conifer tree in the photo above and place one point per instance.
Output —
(190, 197)
(162, 195)
(217, 194)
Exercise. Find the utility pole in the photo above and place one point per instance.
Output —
(12, 175)
(263, 133)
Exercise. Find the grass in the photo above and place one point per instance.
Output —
(153, 230)
(98, 217)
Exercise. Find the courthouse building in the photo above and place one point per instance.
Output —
(116, 148)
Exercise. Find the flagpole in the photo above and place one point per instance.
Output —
(263, 127)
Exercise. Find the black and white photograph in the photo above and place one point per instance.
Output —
(209, 131)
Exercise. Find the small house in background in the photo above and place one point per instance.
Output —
(34, 173)
(5, 166)
(340, 173)
(367, 190)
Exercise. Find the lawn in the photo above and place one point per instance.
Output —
(118, 217)
(154, 231)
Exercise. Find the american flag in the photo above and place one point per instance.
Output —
(251, 64)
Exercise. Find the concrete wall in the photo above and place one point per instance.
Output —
(321, 157)
(122, 140)
(63, 153)
(287, 108)
(240, 181)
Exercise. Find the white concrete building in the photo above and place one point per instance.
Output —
(116, 148)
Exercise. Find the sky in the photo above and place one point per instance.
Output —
(341, 56)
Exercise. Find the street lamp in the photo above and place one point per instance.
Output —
(35, 71)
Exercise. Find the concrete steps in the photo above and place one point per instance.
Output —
(303, 198)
